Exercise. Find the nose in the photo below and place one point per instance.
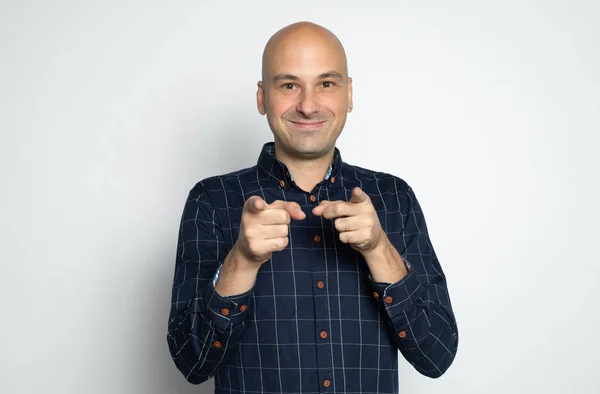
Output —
(308, 104)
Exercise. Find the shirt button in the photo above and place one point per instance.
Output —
(320, 284)
(376, 295)
(323, 334)
(388, 299)
(402, 334)
(317, 238)
(225, 311)
(281, 183)
(243, 308)
(326, 383)
(313, 198)
(332, 179)
(217, 345)
(287, 174)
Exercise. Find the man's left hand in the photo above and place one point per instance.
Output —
(356, 220)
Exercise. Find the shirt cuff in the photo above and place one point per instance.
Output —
(395, 298)
(228, 311)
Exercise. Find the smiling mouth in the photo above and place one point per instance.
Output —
(307, 125)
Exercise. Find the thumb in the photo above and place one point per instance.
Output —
(358, 195)
(293, 208)
(255, 204)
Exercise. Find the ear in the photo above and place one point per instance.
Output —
(260, 99)
(350, 104)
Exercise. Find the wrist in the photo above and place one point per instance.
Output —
(240, 262)
(385, 263)
(237, 275)
(379, 248)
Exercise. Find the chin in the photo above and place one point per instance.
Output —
(316, 148)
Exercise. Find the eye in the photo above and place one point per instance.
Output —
(327, 84)
(288, 86)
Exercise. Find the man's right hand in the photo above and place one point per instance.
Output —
(264, 228)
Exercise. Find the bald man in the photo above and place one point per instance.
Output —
(303, 273)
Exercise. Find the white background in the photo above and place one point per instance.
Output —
(111, 111)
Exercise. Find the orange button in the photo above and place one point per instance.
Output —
(281, 183)
(243, 308)
(326, 383)
(320, 284)
(388, 299)
(217, 345)
(375, 294)
(332, 179)
(317, 238)
(225, 311)
(402, 334)
(323, 334)
(313, 198)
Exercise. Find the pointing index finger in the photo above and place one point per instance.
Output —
(318, 210)
(334, 209)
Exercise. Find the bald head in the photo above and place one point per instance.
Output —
(300, 42)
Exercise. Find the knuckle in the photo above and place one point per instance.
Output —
(284, 217)
(338, 224)
(283, 230)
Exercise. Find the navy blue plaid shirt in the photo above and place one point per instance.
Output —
(315, 321)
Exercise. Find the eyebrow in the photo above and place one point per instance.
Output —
(291, 77)
(331, 74)
(280, 77)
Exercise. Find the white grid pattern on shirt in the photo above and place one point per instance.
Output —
(266, 184)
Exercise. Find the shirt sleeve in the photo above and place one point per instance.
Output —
(417, 308)
(204, 328)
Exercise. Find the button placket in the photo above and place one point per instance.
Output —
(319, 267)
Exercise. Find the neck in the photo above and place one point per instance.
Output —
(307, 172)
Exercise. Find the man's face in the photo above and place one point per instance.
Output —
(306, 95)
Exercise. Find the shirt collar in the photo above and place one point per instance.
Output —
(269, 163)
